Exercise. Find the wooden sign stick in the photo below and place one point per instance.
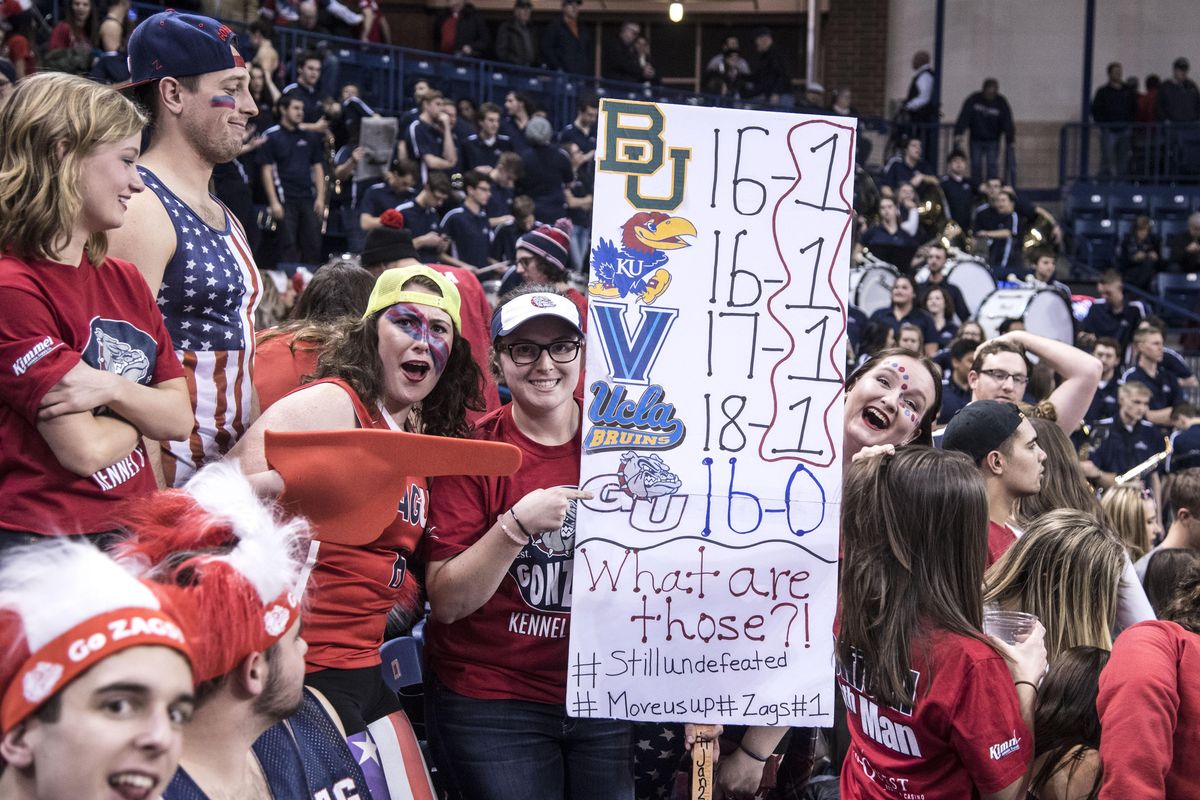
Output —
(704, 772)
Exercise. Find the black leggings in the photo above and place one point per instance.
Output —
(358, 695)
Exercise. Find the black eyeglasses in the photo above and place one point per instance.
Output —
(1000, 376)
(562, 352)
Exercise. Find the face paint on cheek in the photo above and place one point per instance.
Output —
(223, 101)
(413, 322)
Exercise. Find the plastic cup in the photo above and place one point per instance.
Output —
(1009, 627)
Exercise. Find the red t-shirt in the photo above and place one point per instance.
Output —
(280, 364)
(52, 316)
(515, 646)
(354, 587)
(965, 735)
(1149, 706)
(476, 314)
(1000, 538)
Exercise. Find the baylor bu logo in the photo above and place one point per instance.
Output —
(634, 147)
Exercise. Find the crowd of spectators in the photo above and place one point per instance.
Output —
(1072, 484)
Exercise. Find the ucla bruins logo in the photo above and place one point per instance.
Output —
(634, 147)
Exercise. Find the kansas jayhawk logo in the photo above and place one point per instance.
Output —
(637, 265)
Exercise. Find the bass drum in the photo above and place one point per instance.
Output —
(973, 278)
(1045, 312)
(871, 287)
(969, 275)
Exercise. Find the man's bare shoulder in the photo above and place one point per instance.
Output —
(147, 238)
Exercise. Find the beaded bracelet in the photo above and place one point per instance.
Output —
(512, 536)
(513, 513)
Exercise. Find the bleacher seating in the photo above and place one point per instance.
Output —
(1095, 242)
(1128, 203)
(1170, 203)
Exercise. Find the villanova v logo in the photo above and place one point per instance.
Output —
(631, 355)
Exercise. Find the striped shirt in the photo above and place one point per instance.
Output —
(209, 292)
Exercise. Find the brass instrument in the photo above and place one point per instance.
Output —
(1133, 473)
(1040, 236)
(931, 209)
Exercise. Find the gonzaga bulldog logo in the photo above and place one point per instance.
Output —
(40, 681)
(116, 346)
(542, 571)
(646, 477)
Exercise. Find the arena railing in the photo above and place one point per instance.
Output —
(1149, 153)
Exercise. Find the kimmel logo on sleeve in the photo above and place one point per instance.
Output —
(35, 354)
(1007, 748)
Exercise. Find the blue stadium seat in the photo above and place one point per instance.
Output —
(1125, 225)
(1095, 243)
(1085, 202)
(421, 67)
(1128, 203)
(1169, 203)
(1180, 289)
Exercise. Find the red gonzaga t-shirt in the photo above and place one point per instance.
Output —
(354, 586)
(515, 646)
(1000, 538)
(964, 737)
(52, 316)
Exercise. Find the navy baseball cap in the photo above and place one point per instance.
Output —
(981, 427)
(1185, 450)
(174, 45)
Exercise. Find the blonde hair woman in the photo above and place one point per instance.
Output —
(1065, 571)
(86, 366)
(1133, 514)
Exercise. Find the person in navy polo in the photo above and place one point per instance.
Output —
(422, 216)
(1146, 369)
(582, 131)
(293, 175)
(1104, 402)
(1122, 442)
(467, 226)
(1112, 315)
(956, 391)
(482, 150)
(903, 309)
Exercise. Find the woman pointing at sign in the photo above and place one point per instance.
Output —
(499, 580)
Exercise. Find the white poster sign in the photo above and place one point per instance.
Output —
(705, 571)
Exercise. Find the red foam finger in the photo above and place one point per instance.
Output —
(349, 483)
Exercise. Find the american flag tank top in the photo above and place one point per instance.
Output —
(209, 292)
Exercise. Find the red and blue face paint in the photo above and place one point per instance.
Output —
(223, 101)
(436, 334)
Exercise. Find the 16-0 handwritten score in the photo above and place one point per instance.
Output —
(705, 568)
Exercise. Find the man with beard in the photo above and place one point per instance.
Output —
(189, 247)
(236, 575)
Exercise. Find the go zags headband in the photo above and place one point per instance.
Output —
(69, 655)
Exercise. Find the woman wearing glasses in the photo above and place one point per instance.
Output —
(499, 580)
(403, 366)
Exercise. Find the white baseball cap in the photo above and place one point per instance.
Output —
(519, 310)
